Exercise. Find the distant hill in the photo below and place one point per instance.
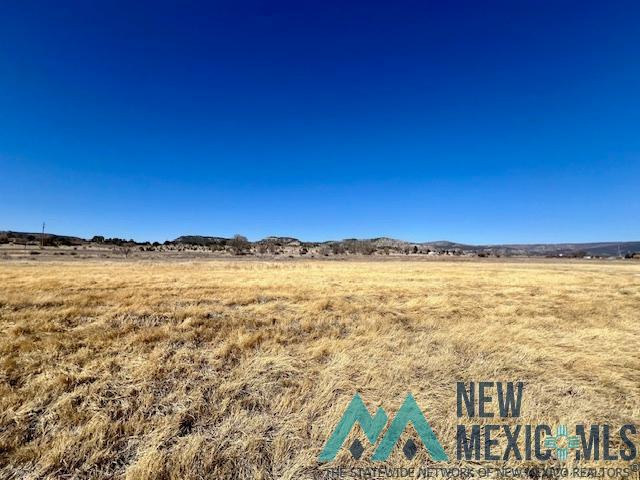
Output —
(280, 241)
(351, 245)
(49, 238)
(605, 249)
(201, 240)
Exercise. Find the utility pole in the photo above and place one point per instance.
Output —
(42, 237)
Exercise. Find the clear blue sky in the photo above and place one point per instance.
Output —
(479, 122)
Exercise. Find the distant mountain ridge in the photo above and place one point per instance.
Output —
(386, 244)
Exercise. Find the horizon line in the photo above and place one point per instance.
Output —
(131, 239)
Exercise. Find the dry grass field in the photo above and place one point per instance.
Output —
(227, 369)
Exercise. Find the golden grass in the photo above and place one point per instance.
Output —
(227, 369)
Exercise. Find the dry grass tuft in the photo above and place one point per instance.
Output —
(241, 369)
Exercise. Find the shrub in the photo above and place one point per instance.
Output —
(123, 250)
(239, 244)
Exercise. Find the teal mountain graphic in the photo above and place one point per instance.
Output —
(357, 412)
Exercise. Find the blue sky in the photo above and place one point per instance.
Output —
(479, 122)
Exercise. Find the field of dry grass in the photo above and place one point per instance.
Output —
(227, 369)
